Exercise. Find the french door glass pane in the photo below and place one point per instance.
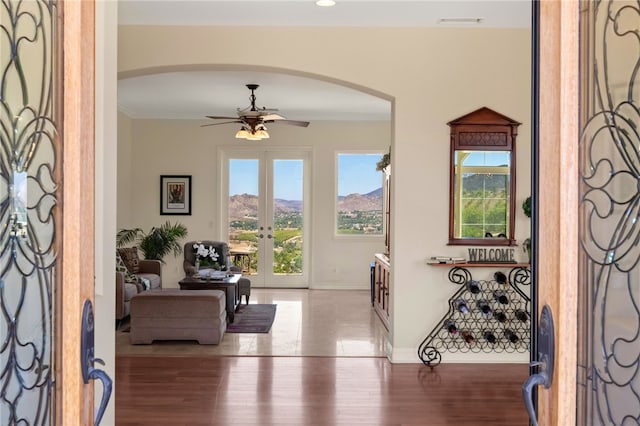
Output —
(288, 185)
(244, 180)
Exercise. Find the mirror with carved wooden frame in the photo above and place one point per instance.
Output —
(482, 179)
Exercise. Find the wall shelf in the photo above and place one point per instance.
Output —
(495, 316)
(482, 265)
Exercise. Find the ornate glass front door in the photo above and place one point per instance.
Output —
(609, 281)
(40, 381)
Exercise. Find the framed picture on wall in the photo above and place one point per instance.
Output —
(175, 194)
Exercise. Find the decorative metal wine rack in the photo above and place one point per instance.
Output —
(475, 323)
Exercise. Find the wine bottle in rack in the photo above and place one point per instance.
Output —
(500, 316)
(450, 326)
(489, 336)
(485, 308)
(500, 277)
(513, 337)
(461, 305)
(500, 297)
(522, 315)
(473, 286)
(468, 337)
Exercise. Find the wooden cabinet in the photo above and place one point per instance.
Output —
(382, 266)
(381, 284)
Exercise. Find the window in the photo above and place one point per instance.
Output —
(359, 201)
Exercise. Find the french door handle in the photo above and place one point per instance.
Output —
(260, 235)
(269, 236)
(545, 363)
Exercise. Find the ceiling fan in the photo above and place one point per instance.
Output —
(253, 119)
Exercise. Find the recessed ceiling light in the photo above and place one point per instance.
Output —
(460, 20)
(325, 3)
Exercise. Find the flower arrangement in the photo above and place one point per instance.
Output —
(206, 256)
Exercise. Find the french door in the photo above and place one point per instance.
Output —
(265, 211)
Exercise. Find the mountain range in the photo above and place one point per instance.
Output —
(246, 205)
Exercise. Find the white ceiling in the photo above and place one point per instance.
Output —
(192, 95)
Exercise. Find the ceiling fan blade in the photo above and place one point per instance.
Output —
(271, 117)
(219, 117)
(291, 122)
(224, 122)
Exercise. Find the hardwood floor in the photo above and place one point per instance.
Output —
(320, 365)
(210, 390)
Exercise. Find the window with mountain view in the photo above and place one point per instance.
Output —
(359, 202)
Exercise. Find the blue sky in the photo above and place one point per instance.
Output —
(357, 175)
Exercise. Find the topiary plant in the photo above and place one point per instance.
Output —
(526, 206)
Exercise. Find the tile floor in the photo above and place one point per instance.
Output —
(340, 323)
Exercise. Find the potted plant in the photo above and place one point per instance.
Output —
(384, 161)
(526, 208)
(156, 243)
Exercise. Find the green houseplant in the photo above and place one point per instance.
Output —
(157, 243)
(526, 208)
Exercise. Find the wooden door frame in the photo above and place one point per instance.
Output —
(557, 199)
(75, 282)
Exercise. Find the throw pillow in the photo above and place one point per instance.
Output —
(121, 267)
(130, 258)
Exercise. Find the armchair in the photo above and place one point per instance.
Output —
(224, 259)
(125, 290)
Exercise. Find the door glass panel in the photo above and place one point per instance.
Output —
(243, 213)
(288, 185)
(609, 307)
(28, 199)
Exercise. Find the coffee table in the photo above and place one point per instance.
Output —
(229, 285)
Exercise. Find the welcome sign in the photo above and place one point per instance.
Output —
(492, 255)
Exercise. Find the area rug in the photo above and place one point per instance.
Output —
(254, 318)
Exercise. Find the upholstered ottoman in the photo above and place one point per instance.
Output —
(178, 315)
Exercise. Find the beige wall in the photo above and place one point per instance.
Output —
(125, 183)
(433, 75)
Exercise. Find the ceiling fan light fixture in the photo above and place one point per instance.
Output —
(262, 134)
(243, 134)
(325, 3)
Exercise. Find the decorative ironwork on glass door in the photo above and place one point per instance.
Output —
(28, 199)
(609, 341)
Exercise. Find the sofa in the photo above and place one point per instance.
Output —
(147, 276)
(224, 260)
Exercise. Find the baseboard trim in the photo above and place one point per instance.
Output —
(339, 286)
